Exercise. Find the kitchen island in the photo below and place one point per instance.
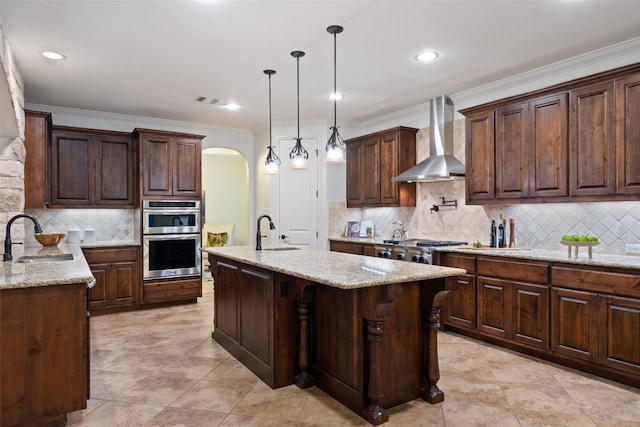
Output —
(44, 335)
(362, 329)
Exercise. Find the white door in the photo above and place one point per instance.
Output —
(298, 196)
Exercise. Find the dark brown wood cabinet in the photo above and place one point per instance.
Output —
(44, 336)
(367, 249)
(91, 168)
(576, 141)
(628, 134)
(373, 160)
(254, 318)
(117, 274)
(36, 165)
(584, 317)
(170, 163)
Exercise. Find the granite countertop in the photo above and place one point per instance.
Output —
(366, 240)
(337, 269)
(108, 244)
(598, 259)
(17, 275)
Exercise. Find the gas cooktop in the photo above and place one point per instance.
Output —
(424, 243)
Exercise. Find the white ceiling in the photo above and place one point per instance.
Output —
(153, 58)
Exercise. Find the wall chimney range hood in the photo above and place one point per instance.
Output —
(440, 165)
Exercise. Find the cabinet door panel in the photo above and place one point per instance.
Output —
(227, 289)
(71, 169)
(123, 285)
(256, 314)
(98, 295)
(512, 168)
(530, 315)
(389, 168)
(370, 174)
(480, 156)
(620, 333)
(592, 140)
(461, 308)
(186, 167)
(494, 306)
(549, 152)
(36, 138)
(114, 174)
(355, 164)
(575, 324)
(628, 134)
(156, 152)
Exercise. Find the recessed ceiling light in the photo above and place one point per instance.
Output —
(427, 56)
(52, 55)
(336, 96)
(232, 106)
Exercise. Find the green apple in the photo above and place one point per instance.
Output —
(583, 238)
(593, 239)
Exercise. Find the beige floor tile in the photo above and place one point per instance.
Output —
(106, 385)
(181, 417)
(120, 414)
(156, 389)
(247, 421)
(416, 413)
(325, 411)
(284, 403)
(548, 419)
(212, 396)
(604, 401)
(538, 397)
(461, 389)
(464, 415)
(232, 371)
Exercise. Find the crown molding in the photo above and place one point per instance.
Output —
(607, 58)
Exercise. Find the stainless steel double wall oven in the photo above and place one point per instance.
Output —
(171, 234)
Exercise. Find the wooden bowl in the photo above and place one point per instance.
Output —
(49, 239)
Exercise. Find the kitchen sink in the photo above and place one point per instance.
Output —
(281, 248)
(44, 258)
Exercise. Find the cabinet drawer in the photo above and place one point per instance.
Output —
(104, 256)
(461, 261)
(346, 247)
(171, 290)
(513, 270)
(596, 281)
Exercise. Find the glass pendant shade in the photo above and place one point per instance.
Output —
(272, 162)
(298, 154)
(336, 147)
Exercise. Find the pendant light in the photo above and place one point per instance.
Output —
(272, 162)
(335, 146)
(298, 154)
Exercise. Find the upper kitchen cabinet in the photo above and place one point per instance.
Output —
(628, 134)
(170, 163)
(91, 168)
(576, 141)
(373, 160)
(36, 140)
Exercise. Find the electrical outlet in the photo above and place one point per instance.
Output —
(632, 248)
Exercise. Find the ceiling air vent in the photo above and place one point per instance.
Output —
(200, 99)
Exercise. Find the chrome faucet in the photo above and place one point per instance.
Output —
(259, 235)
(7, 238)
(400, 233)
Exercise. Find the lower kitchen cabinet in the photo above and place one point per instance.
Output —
(584, 317)
(44, 368)
(254, 319)
(182, 289)
(367, 249)
(117, 274)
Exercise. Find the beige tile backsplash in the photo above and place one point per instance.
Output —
(538, 226)
(111, 225)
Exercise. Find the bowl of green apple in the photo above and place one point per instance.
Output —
(577, 240)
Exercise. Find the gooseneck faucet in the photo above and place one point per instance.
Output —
(259, 235)
(7, 238)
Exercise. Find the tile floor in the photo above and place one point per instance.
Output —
(160, 367)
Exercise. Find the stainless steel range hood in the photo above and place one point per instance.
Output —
(440, 165)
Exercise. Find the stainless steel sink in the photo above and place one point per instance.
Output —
(44, 258)
(281, 248)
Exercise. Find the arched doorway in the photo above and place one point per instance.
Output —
(225, 185)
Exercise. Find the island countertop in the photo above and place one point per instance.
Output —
(17, 275)
(336, 269)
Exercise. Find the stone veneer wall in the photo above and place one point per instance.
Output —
(538, 225)
(12, 151)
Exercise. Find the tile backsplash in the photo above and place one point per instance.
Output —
(111, 225)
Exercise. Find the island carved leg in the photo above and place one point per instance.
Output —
(304, 379)
(374, 412)
(431, 319)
